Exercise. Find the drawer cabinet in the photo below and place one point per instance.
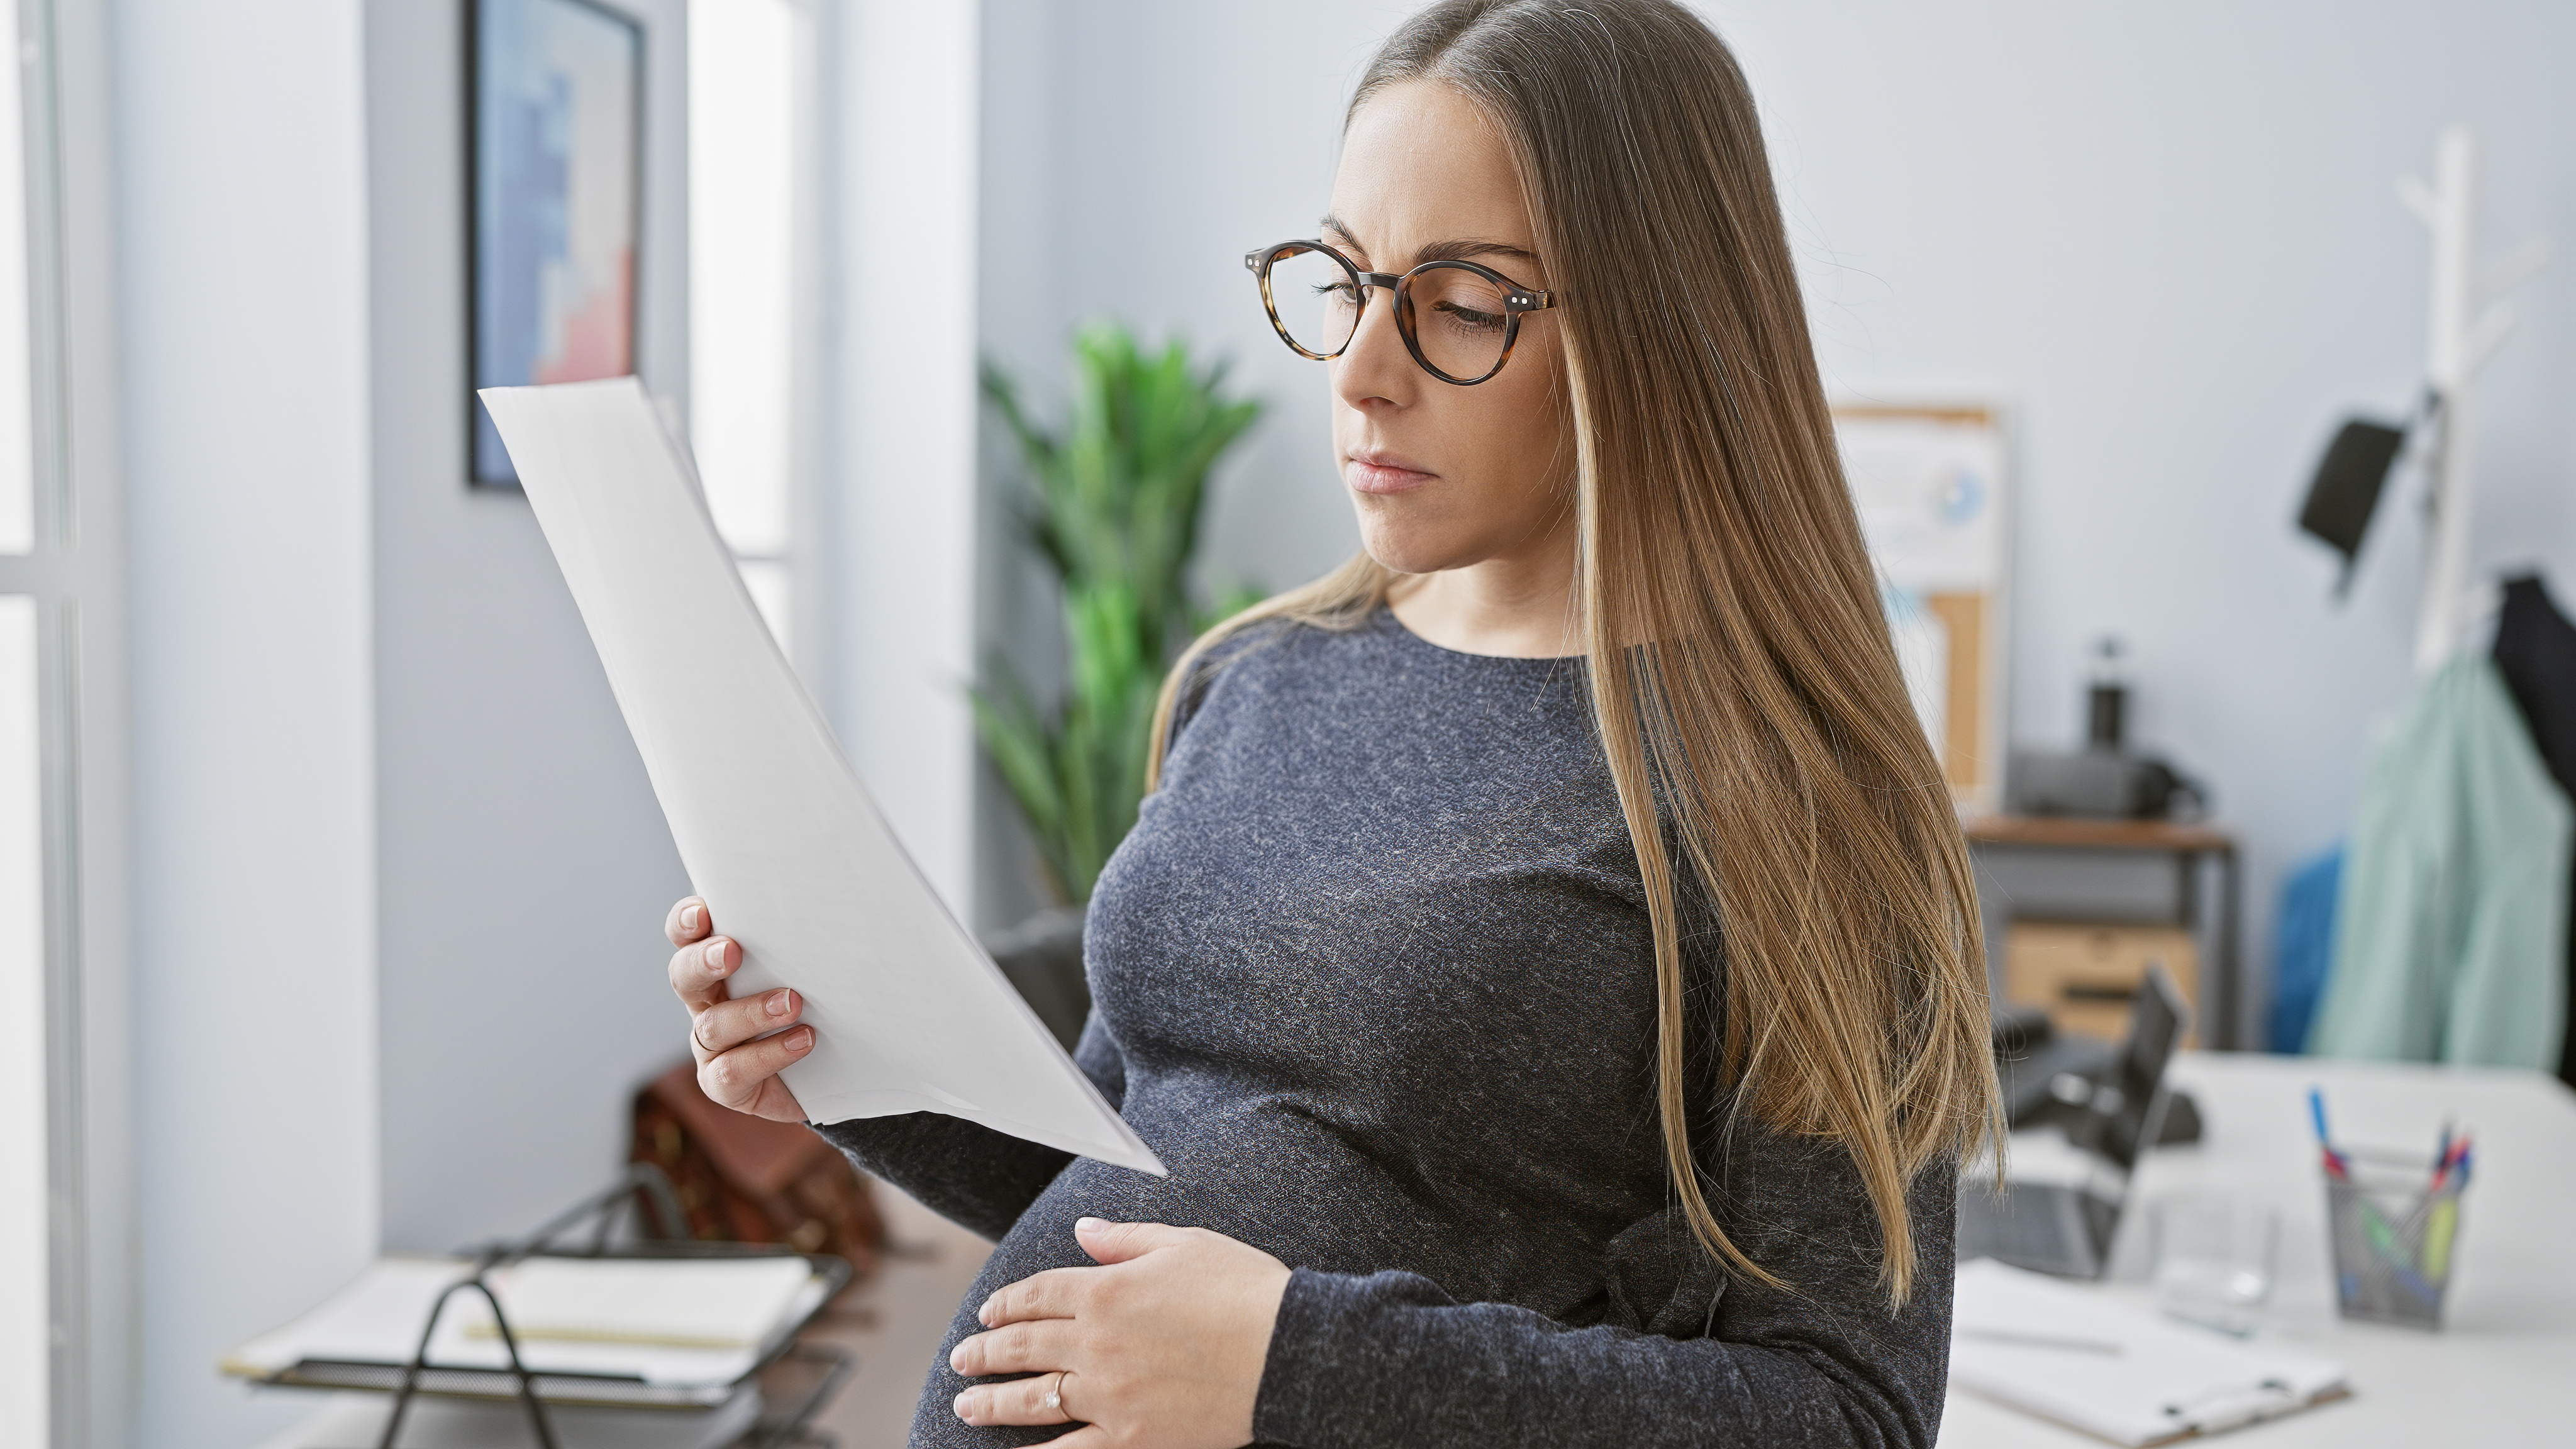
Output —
(2083, 974)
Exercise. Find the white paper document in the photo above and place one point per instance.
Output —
(2113, 1369)
(909, 1013)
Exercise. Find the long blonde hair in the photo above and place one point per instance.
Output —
(1766, 724)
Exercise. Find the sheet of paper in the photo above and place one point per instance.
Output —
(910, 1014)
(2113, 1369)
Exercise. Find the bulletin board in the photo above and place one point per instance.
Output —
(1931, 483)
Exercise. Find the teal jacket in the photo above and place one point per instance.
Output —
(2451, 934)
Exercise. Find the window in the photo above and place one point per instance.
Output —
(743, 295)
(41, 572)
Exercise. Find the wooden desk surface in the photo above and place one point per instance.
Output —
(2068, 831)
(2497, 1373)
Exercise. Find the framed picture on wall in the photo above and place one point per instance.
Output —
(557, 150)
(1930, 481)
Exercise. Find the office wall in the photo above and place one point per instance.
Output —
(1132, 153)
(243, 234)
(523, 867)
(899, 382)
(2173, 243)
(2168, 240)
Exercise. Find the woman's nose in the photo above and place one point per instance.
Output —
(1376, 364)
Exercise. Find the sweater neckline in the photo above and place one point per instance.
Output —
(1387, 621)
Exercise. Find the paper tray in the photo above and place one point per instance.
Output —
(564, 1387)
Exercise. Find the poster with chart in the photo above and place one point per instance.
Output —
(558, 151)
(1930, 485)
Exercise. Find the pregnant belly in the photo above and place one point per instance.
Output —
(1277, 1174)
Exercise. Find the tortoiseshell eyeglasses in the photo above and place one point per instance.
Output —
(1458, 319)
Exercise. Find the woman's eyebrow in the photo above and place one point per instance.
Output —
(1460, 250)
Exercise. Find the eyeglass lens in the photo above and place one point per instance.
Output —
(1317, 302)
(1457, 319)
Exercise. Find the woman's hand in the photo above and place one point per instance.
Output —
(738, 1056)
(1160, 1348)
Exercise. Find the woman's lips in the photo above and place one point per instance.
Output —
(1379, 474)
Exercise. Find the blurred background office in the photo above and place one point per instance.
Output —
(332, 881)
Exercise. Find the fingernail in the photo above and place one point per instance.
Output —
(984, 1315)
(715, 954)
(801, 1039)
(1089, 1225)
(689, 917)
(957, 1364)
(965, 1407)
(781, 1002)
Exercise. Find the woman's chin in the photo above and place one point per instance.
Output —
(1408, 550)
(1405, 560)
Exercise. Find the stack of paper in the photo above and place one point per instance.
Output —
(683, 1323)
(351, 1420)
(2094, 1363)
(683, 1303)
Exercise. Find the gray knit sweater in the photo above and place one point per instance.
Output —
(1372, 977)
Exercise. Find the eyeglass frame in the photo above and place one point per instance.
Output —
(1518, 301)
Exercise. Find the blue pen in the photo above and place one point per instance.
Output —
(2317, 1115)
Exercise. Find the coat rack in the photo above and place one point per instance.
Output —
(2463, 334)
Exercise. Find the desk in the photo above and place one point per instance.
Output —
(2504, 1369)
(2141, 872)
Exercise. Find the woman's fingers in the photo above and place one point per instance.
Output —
(738, 1058)
(1015, 1348)
(698, 972)
(746, 1078)
(1055, 1293)
(1021, 1401)
(728, 1024)
(688, 921)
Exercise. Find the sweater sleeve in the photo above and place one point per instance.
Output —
(966, 1172)
(1682, 1354)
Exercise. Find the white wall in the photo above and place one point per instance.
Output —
(524, 867)
(243, 237)
(1133, 151)
(2173, 241)
(2167, 237)
(900, 256)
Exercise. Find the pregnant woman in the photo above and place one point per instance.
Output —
(1547, 961)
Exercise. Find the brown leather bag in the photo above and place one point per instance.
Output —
(745, 1179)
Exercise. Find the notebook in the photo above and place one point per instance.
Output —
(2114, 1369)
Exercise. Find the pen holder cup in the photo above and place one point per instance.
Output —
(2395, 1238)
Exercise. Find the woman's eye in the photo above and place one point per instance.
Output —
(1469, 319)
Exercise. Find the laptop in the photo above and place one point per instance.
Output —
(2066, 1228)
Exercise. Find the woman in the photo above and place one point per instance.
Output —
(1477, 1134)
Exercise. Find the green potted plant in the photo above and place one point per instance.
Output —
(1117, 493)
